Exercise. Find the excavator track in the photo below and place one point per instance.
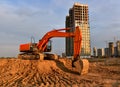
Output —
(52, 56)
(39, 56)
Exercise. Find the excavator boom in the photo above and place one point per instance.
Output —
(54, 33)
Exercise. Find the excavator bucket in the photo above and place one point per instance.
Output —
(81, 64)
(85, 66)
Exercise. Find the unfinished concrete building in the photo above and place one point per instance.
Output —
(94, 51)
(78, 16)
(118, 48)
(106, 52)
(100, 52)
(111, 49)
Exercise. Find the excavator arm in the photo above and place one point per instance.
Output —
(77, 35)
(54, 33)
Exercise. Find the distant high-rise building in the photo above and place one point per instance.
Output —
(118, 48)
(94, 51)
(100, 52)
(115, 51)
(111, 49)
(78, 16)
(106, 52)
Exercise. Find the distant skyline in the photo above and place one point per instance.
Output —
(21, 19)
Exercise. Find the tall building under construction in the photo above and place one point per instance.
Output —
(78, 16)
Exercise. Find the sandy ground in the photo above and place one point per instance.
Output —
(50, 73)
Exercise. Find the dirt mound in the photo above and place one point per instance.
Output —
(50, 73)
(24, 73)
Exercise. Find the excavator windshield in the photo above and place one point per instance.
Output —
(49, 46)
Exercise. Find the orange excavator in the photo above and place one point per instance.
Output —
(40, 50)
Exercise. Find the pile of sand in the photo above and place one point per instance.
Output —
(17, 72)
(53, 73)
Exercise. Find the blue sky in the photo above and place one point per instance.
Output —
(21, 19)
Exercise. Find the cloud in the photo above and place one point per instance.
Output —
(19, 20)
(104, 21)
(19, 23)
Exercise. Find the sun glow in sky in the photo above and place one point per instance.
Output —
(21, 19)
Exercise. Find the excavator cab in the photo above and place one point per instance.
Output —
(31, 47)
(49, 46)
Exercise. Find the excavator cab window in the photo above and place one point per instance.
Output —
(49, 46)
